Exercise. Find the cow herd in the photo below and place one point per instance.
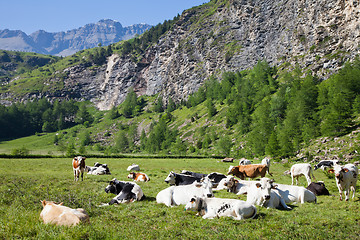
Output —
(196, 190)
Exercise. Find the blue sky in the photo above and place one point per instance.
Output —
(61, 15)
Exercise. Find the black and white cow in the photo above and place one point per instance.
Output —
(180, 179)
(98, 169)
(125, 191)
(194, 174)
(318, 188)
(323, 164)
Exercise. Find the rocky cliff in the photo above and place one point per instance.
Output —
(228, 35)
(66, 43)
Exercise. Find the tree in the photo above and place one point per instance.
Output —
(129, 103)
(210, 108)
(122, 142)
(224, 145)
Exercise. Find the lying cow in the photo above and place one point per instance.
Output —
(139, 177)
(62, 216)
(261, 194)
(98, 169)
(346, 178)
(318, 188)
(133, 167)
(250, 171)
(177, 195)
(294, 194)
(125, 191)
(215, 178)
(180, 179)
(235, 186)
(301, 169)
(78, 164)
(323, 164)
(221, 207)
(244, 161)
(194, 174)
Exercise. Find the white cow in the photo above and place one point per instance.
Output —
(346, 178)
(300, 169)
(261, 194)
(221, 207)
(235, 186)
(98, 169)
(295, 194)
(177, 195)
(244, 161)
(133, 167)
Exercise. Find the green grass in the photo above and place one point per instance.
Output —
(24, 182)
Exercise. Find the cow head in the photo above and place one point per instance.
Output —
(131, 175)
(338, 171)
(230, 181)
(265, 187)
(111, 188)
(206, 186)
(170, 178)
(196, 203)
(81, 160)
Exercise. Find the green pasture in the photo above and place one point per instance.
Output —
(25, 182)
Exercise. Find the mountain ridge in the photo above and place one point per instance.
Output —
(64, 43)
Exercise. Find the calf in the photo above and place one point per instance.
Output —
(180, 179)
(301, 169)
(261, 194)
(221, 207)
(177, 195)
(139, 177)
(98, 169)
(62, 216)
(250, 171)
(78, 164)
(125, 191)
(323, 164)
(346, 178)
(318, 188)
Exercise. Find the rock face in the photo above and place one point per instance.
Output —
(66, 43)
(228, 35)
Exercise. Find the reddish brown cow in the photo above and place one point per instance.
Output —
(139, 177)
(250, 171)
(78, 164)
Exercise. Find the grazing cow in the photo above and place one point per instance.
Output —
(194, 174)
(318, 188)
(125, 191)
(300, 169)
(133, 167)
(244, 161)
(139, 177)
(346, 178)
(221, 207)
(323, 164)
(250, 171)
(180, 179)
(62, 216)
(176, 195)
(98, 169)
(261, 194)
(296, 194)
(78, 164)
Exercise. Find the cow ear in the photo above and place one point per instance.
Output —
(61, 203)
(331, 171)
(75, 158)
(43, 202)
(84, 158)
(192, 200)
(274, 186)
(258, 185)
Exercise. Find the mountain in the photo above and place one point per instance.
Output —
(66, 43)
(222, 35)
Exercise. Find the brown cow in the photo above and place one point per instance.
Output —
(78, 164)
(139, 177)
(62, 216)
(250, 171)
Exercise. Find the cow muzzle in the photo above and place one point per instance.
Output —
(267, 197)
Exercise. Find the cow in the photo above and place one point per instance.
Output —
(318, 188)
(194, 174)
(228, 160)
(177, 195)
(323, 164)
(139, 177)
(300, 169)
(62, 216)
(133, 167)
(294, 194)
(250, 171)
(78, 164)
(215, 178)
(125, 191)
(98, 169)
(221, 207)
(244, 161)
(180, 179)
(346, 178)
(235, 186)
(261, 194)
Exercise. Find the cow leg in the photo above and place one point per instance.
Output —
(82, 176)
(347, 193)
(308, 179)
(74, 175)
(340, 193)
(353, 189)
(292, 180)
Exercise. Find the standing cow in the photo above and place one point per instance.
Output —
(79, 166)
(346, 178)
(301, 169)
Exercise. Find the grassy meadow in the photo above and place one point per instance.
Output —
(24, 182)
